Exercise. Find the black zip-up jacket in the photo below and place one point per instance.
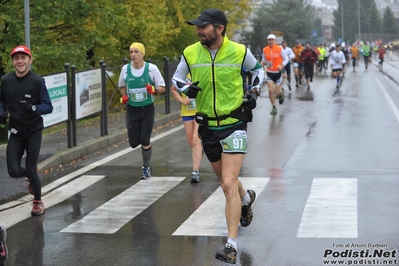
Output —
(308, 56)
(30, 88)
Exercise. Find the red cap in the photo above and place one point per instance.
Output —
(21, 49)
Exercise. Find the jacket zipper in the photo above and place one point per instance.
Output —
(214, 85)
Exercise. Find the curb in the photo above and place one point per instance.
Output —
(95, 145)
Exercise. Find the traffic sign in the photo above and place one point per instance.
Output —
(277, 32)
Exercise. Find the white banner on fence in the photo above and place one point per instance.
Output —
(57, 89)
(88, 93)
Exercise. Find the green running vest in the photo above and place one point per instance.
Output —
(220, 79)
(135, 87)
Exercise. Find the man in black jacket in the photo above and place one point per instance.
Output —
(309, 57)
(24, 97)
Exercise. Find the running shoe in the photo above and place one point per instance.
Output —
(311, 79)
(38, 207)
(281, 98)
(229, 254)
(194, 176)
(289, 86)
(3, 246)
(296, 85)
(308, 87)
(337, 86)
(246, 210)
(145, 172)
(274, 111)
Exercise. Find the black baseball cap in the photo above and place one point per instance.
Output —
(208, 16)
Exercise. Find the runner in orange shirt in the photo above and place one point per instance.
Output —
(275, 60)
(355, 54)
(298, 64)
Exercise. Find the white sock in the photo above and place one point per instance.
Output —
(232, 242)
(246, 200)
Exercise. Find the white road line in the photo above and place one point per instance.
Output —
(209, 219)
(389, 99)
(112, 215)
(17, 214)
(331, 209)
(68, 177)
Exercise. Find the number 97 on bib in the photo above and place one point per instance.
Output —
(236, 142)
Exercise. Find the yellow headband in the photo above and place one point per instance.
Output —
(138, 46)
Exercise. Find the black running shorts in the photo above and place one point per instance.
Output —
(275, 77)
(211, 139)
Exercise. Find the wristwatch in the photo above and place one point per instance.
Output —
(33, 108)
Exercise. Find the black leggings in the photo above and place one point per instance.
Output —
(309, 70)
(140, 121)
(16, 147)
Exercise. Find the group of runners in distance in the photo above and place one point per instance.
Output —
(277, 60)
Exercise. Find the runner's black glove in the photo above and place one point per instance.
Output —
(250, 100)
(192, 90)
(26, 107)
(3, 118)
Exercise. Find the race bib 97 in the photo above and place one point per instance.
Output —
(236, 142)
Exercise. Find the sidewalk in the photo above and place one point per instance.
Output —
(54, 150)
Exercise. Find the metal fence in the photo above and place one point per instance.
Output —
(111, 95)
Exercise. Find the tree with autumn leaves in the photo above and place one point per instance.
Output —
(83, 32)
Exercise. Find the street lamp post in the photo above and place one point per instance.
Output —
(329, 10)
(27, 26)
(342, 19)
(358, 19)
(27, 23)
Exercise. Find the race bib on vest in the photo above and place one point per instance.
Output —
(138, 95)
(192, 105)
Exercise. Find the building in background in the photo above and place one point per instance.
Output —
(330, 2)
(323, 9)
(246, 24)
(393, 4)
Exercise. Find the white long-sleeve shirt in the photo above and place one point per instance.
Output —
(154, 72)
(337, 59)
(288, 51)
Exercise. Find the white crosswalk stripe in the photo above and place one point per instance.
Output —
(331, 209)
(112, 215)
(209, 218)
(14, 215)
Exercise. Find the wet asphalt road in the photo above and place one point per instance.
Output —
(326, 168)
